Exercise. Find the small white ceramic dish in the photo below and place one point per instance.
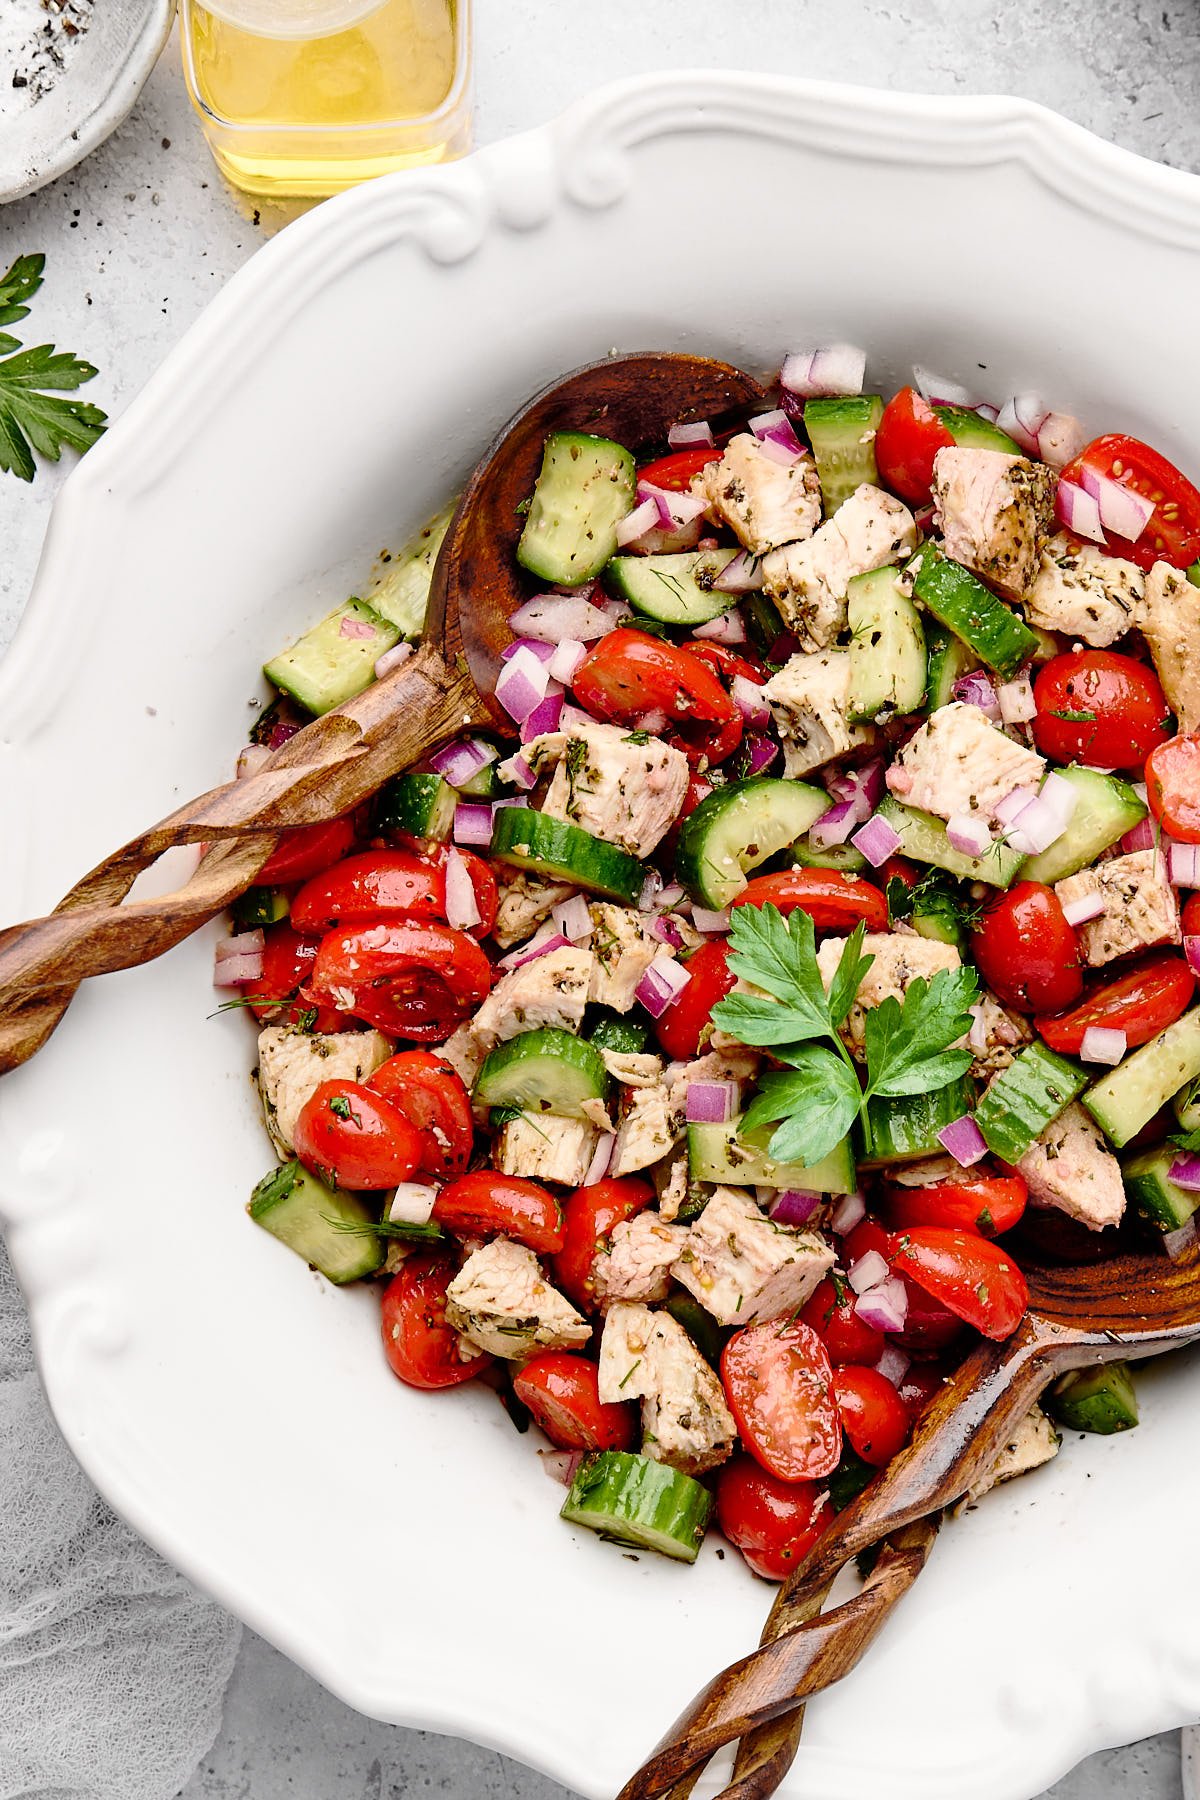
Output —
(90, 83)
(234, 1407)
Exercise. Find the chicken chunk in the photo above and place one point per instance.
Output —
(671, 1178)
(1034, 1443)
(808, 581)
(502, 1303)
(633, 1068)
(620, 785)
(526, 901)
(550, 990)
(1140, 905)
(958, 761)
(996, 513)
(763, 501)
(465, 1054)
(650, 1126)
(648, 1356)
(1170, 619)
(293, 1064)
(623, 949)
(1084, 593)
(899, 958)
(637, 1263)
(996, 1036)
(1072, 1168)
(734, 1063)
(545, 1147)
(807, 698)
(743, 1267)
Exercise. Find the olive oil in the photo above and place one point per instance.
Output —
(311, 96)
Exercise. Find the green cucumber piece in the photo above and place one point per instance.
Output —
(421, 806)
(1106, 809)
(639, 1502)
(887, 649)
(709, 1337)
(299, 1210)
(924, 839)
(849, 1479)
(764, 626)
(326, 667)
(530, 840)
(485, 784)
(259, 906)
(906, 1128)
(1024, 1098)
(675, 589)
(1102, 1400)
(842, 434)
(613, 1031)
(1128, 1098)
(548, 1071)
(837, 856)
(718, 1153)
(586, 485)
(971, 431)
(738, 827)
(1193, 573)
(1151, 1192)
(1186, 1106)
(960, 601)
(949, 660)
(402, 593)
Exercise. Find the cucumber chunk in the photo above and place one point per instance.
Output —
(1128, 1098)
(717, 1153)
(709, 1337)
(836, 856)
(1105, 810)
(1102, 1400)
(906, 1128)
(548, 1071)
(1150, 1190)
(639, 1502)
(612, 1031)
(402, 593)
(299, 1210)
(530, 840)
(887, 649)
(259, 906)
(842, 434)
(949, 660)
(586, 485)
(1024, 1098)
(1186, 1106)
(739, 826)
(960, 601)
(764, 626)
(675, 589)
(924, 839)
(971, 431)
(419, 806)
(336, 659)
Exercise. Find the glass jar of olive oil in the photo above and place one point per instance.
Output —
(307, 97)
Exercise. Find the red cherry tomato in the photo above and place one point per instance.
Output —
(830, 1313)
(833, 900)
(304, 852)
(1173, 787)
(485, 1204)
(977, 1280)
(773, 1523)
(419, 1345)
(589, 1217)
(287, 964)
(1173, 534)
(928, 1325)
(1141, 1003)
(433, 1097)
(629, 673)
(355, 1138)
(778, 1382)
(874, 1417)
(726, 663)
(378, 884)
(685, 1024)
(676, 471)
(411, 978)
(1027, 953)
(988, 1204)
(910, 435)
(920, 1384)
(563, 1394)
(1190, 917)
(1096, 706)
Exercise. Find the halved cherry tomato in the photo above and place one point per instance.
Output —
(1173, 534)
(589, 1217)
(773, 1523)
(1173, 787)
(988, 1204)
(306, 851)
(419, 1345)
(1097, 706)
(1027, 953)
(898, 868)
(411, 978)
(833, 900)
(928, 1325)
(726, 663)
(287, 964)
(377, 884)
(1141, 1004)
(676, 471)
(910, 435)
(874, 1417)
(920, 1384)
(779, 1385)
(485, 1204)
(681, 1027)
(1190, 917)
(355, 1138)
(977, 1280)
(563, 1394)
(848, 1339)
(434, 1098)
(629, 673)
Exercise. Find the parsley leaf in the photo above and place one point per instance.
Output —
(848, 976)
(818, 1101)
(779, 956)
(908, 1046)
(20, 284)
(32, 419)
(1186, 1140)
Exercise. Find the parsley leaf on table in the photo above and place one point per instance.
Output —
(20, 284)
(34, 418)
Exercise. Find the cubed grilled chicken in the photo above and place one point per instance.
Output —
(648, 1356)
(744, 1268)
(1170, 619)
(996, 512)
(807, 698)
(623, 948)
(502, 1303)
(544, 1147)
(549, 990)
(899, 958)
(1083, 593)
(808, 581)
(1140, 905)
(1072, 1168)
(293, 1064)
(958, 761)
(621, 785)
(764, 502)
(636, 1265)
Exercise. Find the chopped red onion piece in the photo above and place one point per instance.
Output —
(1179, 1242)
(850, 1210)
(1009, 810)
(779, 453)
(652, 886)
(667, 898)
(573, 918)
(391, 659)
(862, 787)
(747, 696)
(412, 1203)
(251, 761)
(876, 840)
(969, 833)
(834, 826)
(884, 1308)
(964, 1141)
(1088, 906)
(458, 763)
(1060, 439)
(987, 411)
(940, 391)
(776, 428)
(761, 752)
(868, 1272)
(351, 627)
(728, 629)
(472, 822)
(1017, 705)
(1122, 512)
(711, 1102)
(1079, 512)
(462, 907)
(661, 985)
(545, 716)
(834, 369)
(566, 660)
(535, 647)
(742, 574)
(666, 929)
(1044, 820)
(243, 943)
(646, 490)
(794, 1206)
(893, 1365)
(1191, 949)
(281, 731)
(689, 437)
(237, 961)
(643, 518)
(710, 923)
(509, 800)
(1185, 1173)
(676, 509)
(1022, 417)
(520, 773)
(602, 1155)
(1183, 865)
(546, 938)
(979, 690)
(1100, 1044)
(522, 683)
(553, 619)
(1140, 838)
(560, 1465)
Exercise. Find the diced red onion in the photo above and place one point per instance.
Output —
(834, 826)
(573, 918)
(1122, 512)
(1044, 820)
(520, 773)
(747, 696)
(666, 929)
(987, 411)
(710, 923)
(689, 437)
(459, 763)
(462, 907)
(412, 1203)
(979, 690)
(1079, 512)
(281, 731)
(964, 1141)
(884, 1308)
(831, 370)
(1022, 417)
(977, 1036)
(546, 715)
(1060, 439)
(351, 627)
(862, 787)
(561, 1465)
(553, 618)
(616, 610)
(566, 660)
(244, 943)
(868, 1272)
(1183, 864)
(1009, 810)
(251, 760)
(635, 524)
(1100, 1044)
(1017, 705)
(849, 1211)
(391, 659)
(1185, 1173)
(1177, 1243)
(761, 752)
(535, 646)
(876, 840)
(602, 1155)
(742, 574)
(711, 1102)
(968, 833)
(238, 960)
(776, 428)
(522, 683)
(939, 390)
(727, 629)
(508, 800)
(667, 898)
(545, 939)
(661, 985)
(675, 509)
(472, 822)
(1191, 949)
(1088, 906)
(652, 886)
(1140, 838)
(794, 1206)
(893, 1365)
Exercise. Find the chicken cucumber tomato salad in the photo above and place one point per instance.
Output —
(683, 1064)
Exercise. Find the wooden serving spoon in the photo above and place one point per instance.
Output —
(340, 759)
(1131, 1307)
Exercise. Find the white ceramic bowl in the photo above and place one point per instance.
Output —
(234, 1407)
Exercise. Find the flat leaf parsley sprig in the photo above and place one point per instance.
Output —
(819, 1097)
(33, 415)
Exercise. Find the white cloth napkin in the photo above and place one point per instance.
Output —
(112, 1667)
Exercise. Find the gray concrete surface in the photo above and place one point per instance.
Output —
(143, 234)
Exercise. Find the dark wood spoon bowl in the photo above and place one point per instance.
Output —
(339, 760)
